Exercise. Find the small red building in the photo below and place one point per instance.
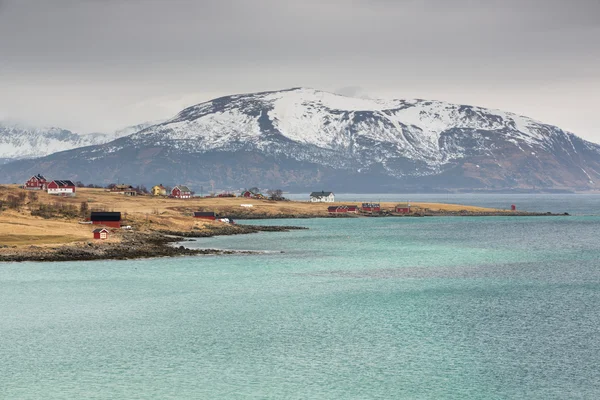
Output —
(403, 208)
(101, 233)
(61, 187)
(111, 219)
(372, 207)
(36, 182)
(342, 209)
(181, 192)
(209, 215)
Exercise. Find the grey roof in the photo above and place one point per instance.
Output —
(320, 194)
(183, 188)
(100, 230)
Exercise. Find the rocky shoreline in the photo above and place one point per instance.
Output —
(135, 245)
(430, 213)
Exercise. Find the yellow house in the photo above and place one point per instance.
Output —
(159, 190)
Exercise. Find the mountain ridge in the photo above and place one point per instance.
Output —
(299, 137)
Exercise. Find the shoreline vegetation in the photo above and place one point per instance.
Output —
(35, 226)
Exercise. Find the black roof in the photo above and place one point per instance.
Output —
(63, 183)
(105, 216)
(100, 230)
(320, 194)
(205, 214)
(39, 177)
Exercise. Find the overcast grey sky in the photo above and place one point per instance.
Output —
(97, 65)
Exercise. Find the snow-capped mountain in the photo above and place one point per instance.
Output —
(305, 138)
(18, 141)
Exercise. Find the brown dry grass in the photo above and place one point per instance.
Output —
(149, 213)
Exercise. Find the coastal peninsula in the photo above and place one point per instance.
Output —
(36, 226)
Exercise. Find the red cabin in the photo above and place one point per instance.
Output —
(36, 182)
(342, 209)
(181, 192)
(209, 215)
(372, 207)
(403, 208)
(111, 219)
(101, 233)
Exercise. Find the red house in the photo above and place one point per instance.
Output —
(209, 215)
(342, 209)
(403, 208)
(111, 219)
(61, 188)
(371, 207)
(36, 182)
(181, 192)
(101, 233)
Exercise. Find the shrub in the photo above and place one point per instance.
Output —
(33, 197)
(55, 210)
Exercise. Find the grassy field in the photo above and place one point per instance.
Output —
(146, 213)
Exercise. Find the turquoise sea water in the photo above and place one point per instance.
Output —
(379, 308)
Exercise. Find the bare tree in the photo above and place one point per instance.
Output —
(276, 194)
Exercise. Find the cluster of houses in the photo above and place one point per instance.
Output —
(402, 208)
(59, 187)
(329, 197)
(178, 192)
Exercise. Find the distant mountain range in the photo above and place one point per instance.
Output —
(305, 139)
(19, 141)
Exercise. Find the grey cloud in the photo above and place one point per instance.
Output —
(100, 60)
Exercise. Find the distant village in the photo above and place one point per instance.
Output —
(105, 220)
(66, 187)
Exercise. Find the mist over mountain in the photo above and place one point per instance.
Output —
(303, 139)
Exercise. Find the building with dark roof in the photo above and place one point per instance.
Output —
(322, 197)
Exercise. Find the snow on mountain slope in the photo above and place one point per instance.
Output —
(364, 130)
(301, 137)
(19, 141)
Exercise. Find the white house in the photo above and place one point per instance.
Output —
(322, 197)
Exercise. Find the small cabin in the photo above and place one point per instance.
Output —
(181, 192)
(371, 207)
(36, 182)
(121, 188)
(209, 215)
(111, 219)
(322, 197)
(342, 209)
(101, 233)
(403, 208)
(130, 192)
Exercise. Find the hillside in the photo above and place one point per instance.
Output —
(301, 139)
